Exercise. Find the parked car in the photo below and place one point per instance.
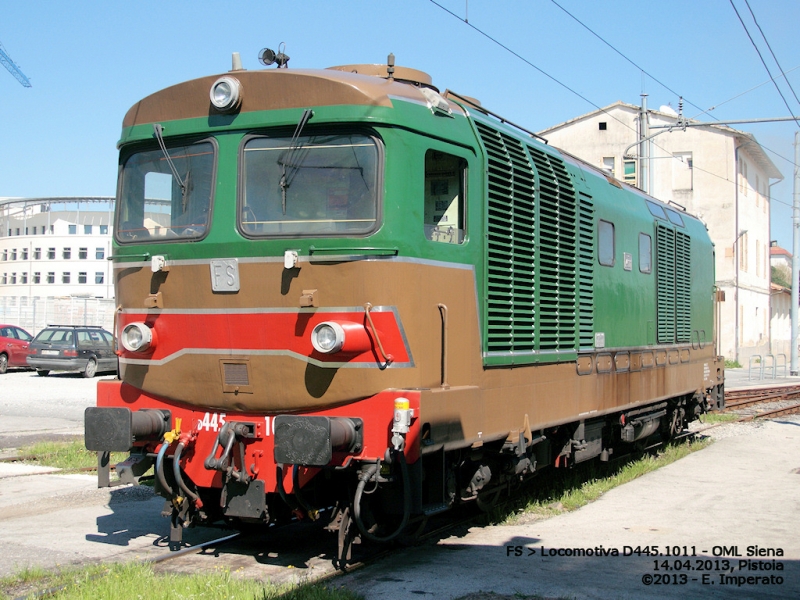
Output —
(72, 348)
(13, 347)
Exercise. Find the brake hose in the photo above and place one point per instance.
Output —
(363, 479)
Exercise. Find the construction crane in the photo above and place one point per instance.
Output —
(13, 68)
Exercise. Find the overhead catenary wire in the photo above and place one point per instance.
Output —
(582, 97)
(775, 58)
(651, 76)
(763, 62)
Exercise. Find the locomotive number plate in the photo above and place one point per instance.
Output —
(225, 275)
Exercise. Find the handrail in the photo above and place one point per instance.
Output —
(785, 363)
(750, 367)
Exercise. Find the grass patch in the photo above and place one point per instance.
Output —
(69, 456)
(135, 581)
(718, 418)
(732, 364)
(569, 489)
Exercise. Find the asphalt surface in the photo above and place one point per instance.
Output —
(741, 492)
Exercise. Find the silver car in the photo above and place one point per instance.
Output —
(72, 348)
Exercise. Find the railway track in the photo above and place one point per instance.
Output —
(741, 398)
(758, 403)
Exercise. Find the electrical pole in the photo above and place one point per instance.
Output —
(795, 250)
(644, 129)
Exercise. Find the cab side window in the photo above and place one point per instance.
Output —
(605, 243)
(645, 253)
(445, 190)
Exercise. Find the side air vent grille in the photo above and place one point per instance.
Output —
(586, 272)
(558, 277)
(511, 228)
(539, 270)
(673, 283)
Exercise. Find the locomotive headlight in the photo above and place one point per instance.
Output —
(327, 337)
(137, 337)
(226, 94)
(340, 336)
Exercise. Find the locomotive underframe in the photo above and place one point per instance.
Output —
(232, 473)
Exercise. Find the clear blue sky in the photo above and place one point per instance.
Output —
(89, 61)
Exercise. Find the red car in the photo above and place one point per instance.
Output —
(14, 343)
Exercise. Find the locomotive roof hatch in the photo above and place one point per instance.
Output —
(389, 71)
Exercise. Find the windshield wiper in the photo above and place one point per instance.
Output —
(158, 129)
(294, 146)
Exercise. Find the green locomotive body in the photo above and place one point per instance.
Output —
(337, 270)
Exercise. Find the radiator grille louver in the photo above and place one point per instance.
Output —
(586, 272)
(673, 283)
(539, 252)
(683, 287)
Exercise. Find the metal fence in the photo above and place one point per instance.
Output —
(34, 314)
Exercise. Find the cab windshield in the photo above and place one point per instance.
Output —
(166, 197)
(309, 185)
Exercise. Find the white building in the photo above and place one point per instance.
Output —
(54, 263)
(781, 323)
(718, 173)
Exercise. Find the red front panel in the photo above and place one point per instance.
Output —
(286, 333)
(376, 412)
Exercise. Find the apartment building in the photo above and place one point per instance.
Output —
(715, 172)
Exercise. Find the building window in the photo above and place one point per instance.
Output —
(23, 278)
(630, 171)
(13, 254)
(103, 229)
(99, 253)
(24, 254)
(13, 278)
(602, 125)
(34, 230)
(37, 254)
(83, 253)
(51, 253)
(37, 277)
(605, 243)
(5, 254)
(682, 171)
(645, 253)
(445, 177)
(82, 277)
(99, 277)
(743, 177)
(743, 252)
(66, 254)
(73, 229)
(87, 229)
(17, 231)
(65, 277)
(51, 277)
(609, 165)
(52, 228)
(4, 279)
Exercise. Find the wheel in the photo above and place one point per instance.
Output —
(90, 370)
(42, 372)
(3, 363)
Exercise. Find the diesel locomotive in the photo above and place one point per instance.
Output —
(344, 294)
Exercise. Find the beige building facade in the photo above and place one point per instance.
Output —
(720, 174)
